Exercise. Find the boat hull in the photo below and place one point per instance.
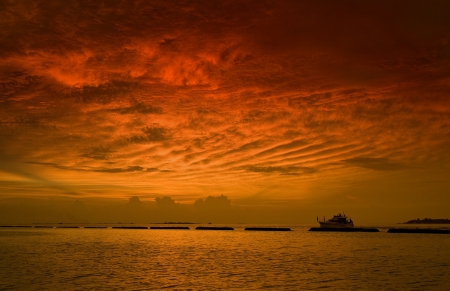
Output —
(335, 225)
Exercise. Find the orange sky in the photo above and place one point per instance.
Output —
(313, 107)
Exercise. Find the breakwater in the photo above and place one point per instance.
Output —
(419, 230)
(353, 229)
(129, 227)
(169, 227)
(268, 228)
(214, 228)
(265, 229)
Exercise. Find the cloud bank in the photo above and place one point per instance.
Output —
(222, 97)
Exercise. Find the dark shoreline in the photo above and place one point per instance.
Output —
(428, 221)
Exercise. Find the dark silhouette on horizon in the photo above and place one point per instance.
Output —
(429, 221)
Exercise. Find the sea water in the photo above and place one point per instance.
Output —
(145, 259)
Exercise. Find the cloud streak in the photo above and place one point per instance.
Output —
(380, 164)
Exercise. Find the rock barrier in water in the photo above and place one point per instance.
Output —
(419, 230)
(169, 227)
(213, 228)
(353, 229)
(67, 226)
(43, 226)
(268, 228)
(95, 227)
(130, 227)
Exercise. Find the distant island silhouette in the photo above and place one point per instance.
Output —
(429, 221)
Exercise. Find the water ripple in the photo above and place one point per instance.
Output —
(114, 259)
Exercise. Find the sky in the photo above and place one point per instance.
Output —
(289, 109)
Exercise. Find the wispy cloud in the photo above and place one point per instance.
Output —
(380, 164)
(100, 169)
(202, 94)
(281, 170)
(138, 108)
(121, 170)
(149, 134)
(98, 153)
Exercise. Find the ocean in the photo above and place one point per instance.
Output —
(146, 259)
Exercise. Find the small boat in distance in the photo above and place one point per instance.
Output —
(338, 221)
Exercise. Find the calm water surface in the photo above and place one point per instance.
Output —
(134, 259)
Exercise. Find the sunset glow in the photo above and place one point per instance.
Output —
(291, 109)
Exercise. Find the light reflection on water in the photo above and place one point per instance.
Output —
(122, 259)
